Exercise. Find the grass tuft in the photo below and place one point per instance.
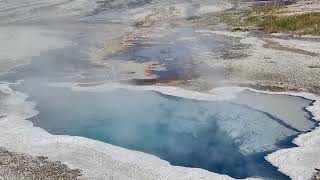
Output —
(273, 19)
(307, 23)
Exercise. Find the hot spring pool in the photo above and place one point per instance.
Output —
(227, 137)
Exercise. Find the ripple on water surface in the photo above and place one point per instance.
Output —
(225, 137)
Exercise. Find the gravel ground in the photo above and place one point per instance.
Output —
(272, 65)
(283, 62)
(20, 166)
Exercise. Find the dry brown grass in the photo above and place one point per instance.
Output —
(273, 19)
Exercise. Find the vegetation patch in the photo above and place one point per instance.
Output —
(272, 21)
(270, 18)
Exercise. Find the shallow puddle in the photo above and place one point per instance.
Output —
(183, 53)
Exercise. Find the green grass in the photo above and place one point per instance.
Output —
(306, 23)
(274, 19)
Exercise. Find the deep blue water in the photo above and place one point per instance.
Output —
(221, 137)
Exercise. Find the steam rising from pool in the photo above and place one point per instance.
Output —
(227, 137)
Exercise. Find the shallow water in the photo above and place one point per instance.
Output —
(224, 137)
(181, 51)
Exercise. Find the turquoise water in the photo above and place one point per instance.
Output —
(222, 137)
